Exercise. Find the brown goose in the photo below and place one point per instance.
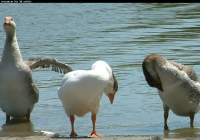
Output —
(18, 92)
(177, 85)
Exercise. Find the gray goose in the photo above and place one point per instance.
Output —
(178, 86)
(18, 92)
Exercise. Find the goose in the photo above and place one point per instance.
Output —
(18, 92)
(81, 90)
(178, 86)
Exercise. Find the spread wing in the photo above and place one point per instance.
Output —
(38, 62)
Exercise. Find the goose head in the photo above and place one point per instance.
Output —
(9, 26)
(112, 86)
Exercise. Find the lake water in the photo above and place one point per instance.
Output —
(121, 34)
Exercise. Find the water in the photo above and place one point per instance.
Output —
(121, 34)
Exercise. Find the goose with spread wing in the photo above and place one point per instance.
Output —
(178, 86)
(18, 92)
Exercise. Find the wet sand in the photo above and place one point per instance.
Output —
(20, 129)
(103, 138)
(39, 136)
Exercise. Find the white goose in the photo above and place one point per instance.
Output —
(18, 92)
(81, 91)
(177, 85)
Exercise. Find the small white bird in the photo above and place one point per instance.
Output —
(50, 134)
(81, 91)
(18, 92)
(177, 84)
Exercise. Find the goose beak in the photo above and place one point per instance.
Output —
(111, 97)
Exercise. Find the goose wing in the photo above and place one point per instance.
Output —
(38, 62)
(187, 69)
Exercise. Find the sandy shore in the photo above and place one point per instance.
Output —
(103, 138)
(47, 135)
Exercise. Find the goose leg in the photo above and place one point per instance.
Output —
(166, 114)
(94, 133)
(7, 118)
(28, 117)
(191, 119)
(73, 133)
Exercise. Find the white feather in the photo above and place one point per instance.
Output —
(81, 90)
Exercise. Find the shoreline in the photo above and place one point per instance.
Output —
(184, 134)
(39, 136)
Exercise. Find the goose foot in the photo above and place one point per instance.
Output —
(28, 117)
(73, 134)
(95, 135)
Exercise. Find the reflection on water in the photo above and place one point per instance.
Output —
(182, 132)
(17, 127)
